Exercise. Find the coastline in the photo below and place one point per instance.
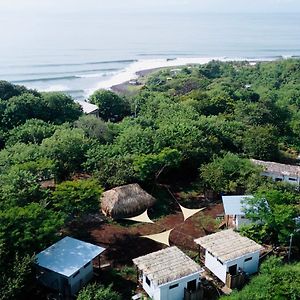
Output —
(123, 88)
(140, 69)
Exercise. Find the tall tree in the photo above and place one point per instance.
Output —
(111, 106)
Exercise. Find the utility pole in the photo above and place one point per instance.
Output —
(290, 246)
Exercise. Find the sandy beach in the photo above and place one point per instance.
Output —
(120, 82)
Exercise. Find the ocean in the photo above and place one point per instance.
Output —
(79, 55)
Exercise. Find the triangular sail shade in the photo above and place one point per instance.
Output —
(143, 218)
(187, 212)
(162, 238)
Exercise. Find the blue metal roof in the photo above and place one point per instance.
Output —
(67, 256)
(233, 204)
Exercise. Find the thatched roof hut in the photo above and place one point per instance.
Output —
(126, 201)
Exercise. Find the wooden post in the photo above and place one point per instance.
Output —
(99, 265)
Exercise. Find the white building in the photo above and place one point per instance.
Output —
(280, 172)
(227, 254)
(169, 274)
(234, 211)
(89, 108)
(67, 265)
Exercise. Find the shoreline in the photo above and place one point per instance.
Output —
(122, 88)
(121, 81)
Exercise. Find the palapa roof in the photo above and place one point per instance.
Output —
(126, 201)
(166, 265)
(228, 245)
(233, 205)
(283, 169)
(67, 256)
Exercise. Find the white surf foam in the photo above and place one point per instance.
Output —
(130, 73)
(55, 88)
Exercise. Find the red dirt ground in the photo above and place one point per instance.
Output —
(124, 242)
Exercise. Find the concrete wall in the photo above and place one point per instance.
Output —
(164, 292)
(220, 270)
(241, 220)
(290, 179)
(49, 279)
(83, 277)
(215, 266)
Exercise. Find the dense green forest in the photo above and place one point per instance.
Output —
(193, 124)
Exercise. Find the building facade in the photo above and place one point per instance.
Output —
(169, 274)
(67, 265)
(228, 254)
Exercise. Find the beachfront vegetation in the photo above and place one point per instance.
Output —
(275, 281)
(274, 213)
(98, 292)
(111, 106)
(194, 124)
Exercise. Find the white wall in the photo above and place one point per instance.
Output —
(49, 279)
(85, 275)
(241, 220)
(215, 266)
(250, 266)
(284, 178)
(163, 292)
(220, 269)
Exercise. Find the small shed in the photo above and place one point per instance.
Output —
(228, 254)
(89, 108)
(67, 265)
(279, 172)
(234, 210)
(169, 274)
(126, 201)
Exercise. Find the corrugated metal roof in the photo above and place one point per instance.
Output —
(166, 265)
(228, 245)
(277, 168)
(233, 205)
(67, 256)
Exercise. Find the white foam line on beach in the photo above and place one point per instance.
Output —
(130, 73)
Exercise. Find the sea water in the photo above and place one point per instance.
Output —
(79, 55)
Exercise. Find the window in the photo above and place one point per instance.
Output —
(248, 259)
(192, 285)
(278, 179)
(87, 264)
(292, 179)
(232, 270)
(148, 281)
(173, 286)
(76, 274)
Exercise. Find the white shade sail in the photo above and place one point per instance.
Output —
(187, 212)
(143, 218)
(162, 237)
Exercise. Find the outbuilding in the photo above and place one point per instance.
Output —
(67, 265)
(126, 201)
(234, 210)
(279, 172)
(89, 108)
(169, 274)
(229, 255)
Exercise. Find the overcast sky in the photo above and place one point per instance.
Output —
(143, 6)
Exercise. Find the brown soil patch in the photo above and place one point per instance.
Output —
(124, 242)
